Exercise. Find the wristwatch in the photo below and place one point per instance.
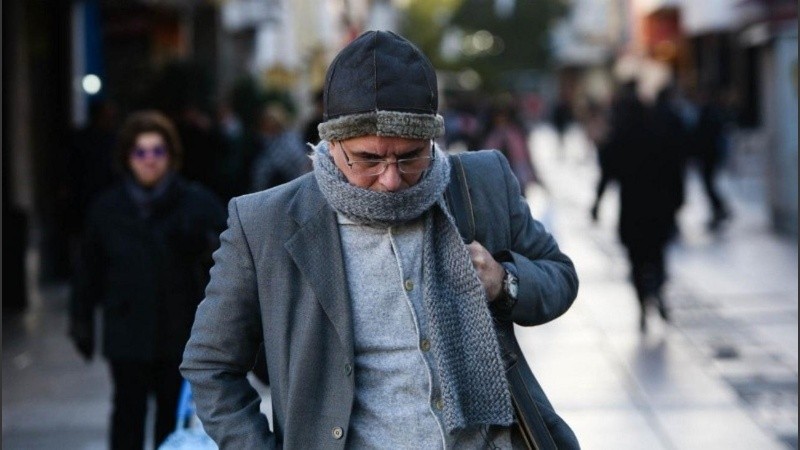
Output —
(506, 302)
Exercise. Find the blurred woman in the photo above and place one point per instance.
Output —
(145, 261)
(508, 135)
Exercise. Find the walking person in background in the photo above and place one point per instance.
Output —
(203, 145)
(710, 149)
(228, 174)
(90, 165)
(145, 259)
(508, 134)
(282, 155)
(644, 149)
(377, 318)
(625, 99)
(310, 131)
(672, 139)
(562, 117)
(597, 127)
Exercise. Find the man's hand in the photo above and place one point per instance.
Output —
(490, 272)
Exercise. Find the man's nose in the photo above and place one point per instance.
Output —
(391, 177)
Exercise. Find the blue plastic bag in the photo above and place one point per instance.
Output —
(189, 433)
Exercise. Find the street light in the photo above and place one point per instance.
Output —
(91, 84)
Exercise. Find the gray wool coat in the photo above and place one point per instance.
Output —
(278, 277)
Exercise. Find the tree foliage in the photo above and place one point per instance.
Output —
(523, 32)
(425, 21)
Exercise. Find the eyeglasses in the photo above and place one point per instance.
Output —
(158, 152)
(374, 167)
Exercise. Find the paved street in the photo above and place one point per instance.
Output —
(722, 376)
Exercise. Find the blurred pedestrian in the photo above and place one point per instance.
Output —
(247, 100)
(710, 150)
(204, 144)
(597, 125)
(562, 118)
(310, 132)
(377, 317)
(463, 128)
(91, 159)
(507, 134)
(642, 152)
(282, 156)
(90, 169)
(670, 136)
(145, 259)
(624, 103)
(231, 179)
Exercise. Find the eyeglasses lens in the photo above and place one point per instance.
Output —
(377, 167)
(158, 152)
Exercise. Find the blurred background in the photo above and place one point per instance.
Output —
(722, 374)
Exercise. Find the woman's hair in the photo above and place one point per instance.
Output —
(149, 121)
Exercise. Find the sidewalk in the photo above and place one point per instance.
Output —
(724, 376)
(52, 400)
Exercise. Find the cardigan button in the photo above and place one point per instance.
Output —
(348, 369)
(337, 432)
(408, 285)
(425, 345)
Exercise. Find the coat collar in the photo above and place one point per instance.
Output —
(155, 202)
(316, 248)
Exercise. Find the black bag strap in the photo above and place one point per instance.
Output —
(520, 377)
(459, 201)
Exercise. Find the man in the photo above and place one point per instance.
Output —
(375, 316)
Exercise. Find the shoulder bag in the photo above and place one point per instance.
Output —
(520, 377)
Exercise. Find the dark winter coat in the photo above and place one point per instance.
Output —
(646, 154)
(147, 274)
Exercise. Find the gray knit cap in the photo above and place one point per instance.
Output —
(380, 84)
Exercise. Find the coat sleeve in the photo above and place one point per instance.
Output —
(548, 282)
(222, 347)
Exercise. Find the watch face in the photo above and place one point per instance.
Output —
(511, 285)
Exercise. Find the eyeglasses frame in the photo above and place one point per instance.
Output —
(141, 153)
(385, 163)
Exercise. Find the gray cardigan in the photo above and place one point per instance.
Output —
(279, 278)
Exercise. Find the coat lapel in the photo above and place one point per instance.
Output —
(317, 250)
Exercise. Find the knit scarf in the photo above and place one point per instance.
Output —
(463, 340)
